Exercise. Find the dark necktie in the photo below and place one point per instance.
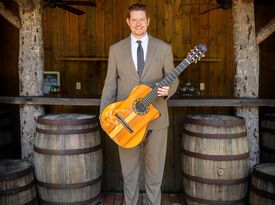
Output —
(140, 58)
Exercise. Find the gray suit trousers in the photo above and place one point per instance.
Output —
(154, 160)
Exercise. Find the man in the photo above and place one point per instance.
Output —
(141, 59)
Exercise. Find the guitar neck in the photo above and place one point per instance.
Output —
(151, 96)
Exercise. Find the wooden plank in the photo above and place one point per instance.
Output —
(204, 37)
(160, 9)
(211, 85)
(220, 102)
(100, 37)
(152, 9)
(109, 25)
(229, 55)
(118, 199)
(118, 20)
(165, 199)
(178, 30)
(85, 35)
(168, 21)
(174, 199)
(109, 198)
(214, 60)
(72, 74)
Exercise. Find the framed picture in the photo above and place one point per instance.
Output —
(51, 79)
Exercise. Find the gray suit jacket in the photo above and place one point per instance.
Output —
(122, 76)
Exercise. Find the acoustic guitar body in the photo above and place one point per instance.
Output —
(126, 121)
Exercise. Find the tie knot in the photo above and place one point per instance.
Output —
(139, 42)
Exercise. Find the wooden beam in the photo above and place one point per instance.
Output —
(214, 60)
(10, 16)
(184, 102)
(30, 73)
(246, 54)
(266, 31)
(26, 5)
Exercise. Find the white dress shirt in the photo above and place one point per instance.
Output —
(144, 43)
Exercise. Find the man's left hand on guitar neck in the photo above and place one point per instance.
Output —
(163, 91)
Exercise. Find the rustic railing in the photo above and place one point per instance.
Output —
(182, 102)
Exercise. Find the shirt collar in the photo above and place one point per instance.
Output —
(145, 38)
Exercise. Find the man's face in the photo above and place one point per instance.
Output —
(138, 23)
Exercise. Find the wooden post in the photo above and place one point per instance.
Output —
(30, 68)
(247, 70)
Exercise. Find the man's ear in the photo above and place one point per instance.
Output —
(128, 21)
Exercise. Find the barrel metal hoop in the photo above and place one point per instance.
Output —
(215, 202)
(262, 192)
(57, 122)
(216, 123)
(69, 186)
(67, 132)
(267, 130)
(89, 201)
(17, 174)
(267, 149)
(67, 151)
(264, 176)
(216, 181)
(215, 157)
(214, 136)
(16, 190)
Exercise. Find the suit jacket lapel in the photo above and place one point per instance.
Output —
(150, 53)
(128, 57)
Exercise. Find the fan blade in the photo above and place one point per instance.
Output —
(71, 9)
(80, 3)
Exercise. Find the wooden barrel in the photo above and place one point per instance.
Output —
(267, 138)
(17, 185)
(6, 135)
(262, 188)
(68, 159)
(215, 160)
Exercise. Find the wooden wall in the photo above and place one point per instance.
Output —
(9, 84)
(264, 13)
(176, 21)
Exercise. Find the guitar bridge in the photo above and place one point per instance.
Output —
(125, 124)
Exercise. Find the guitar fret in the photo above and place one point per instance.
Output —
(178, 72)
(172, 73)
(146, 101)
(169, 76)
(166, 83)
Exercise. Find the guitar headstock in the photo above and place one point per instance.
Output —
(197, 53)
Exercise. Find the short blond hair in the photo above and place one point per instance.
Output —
(137, 7)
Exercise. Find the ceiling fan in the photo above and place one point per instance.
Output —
(224, 4)
(66, 5)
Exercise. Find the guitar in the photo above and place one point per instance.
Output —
(126, 121)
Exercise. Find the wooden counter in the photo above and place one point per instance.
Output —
(174, 102)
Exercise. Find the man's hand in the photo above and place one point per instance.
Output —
(163, 91)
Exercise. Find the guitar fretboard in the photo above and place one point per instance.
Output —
(153, 94)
